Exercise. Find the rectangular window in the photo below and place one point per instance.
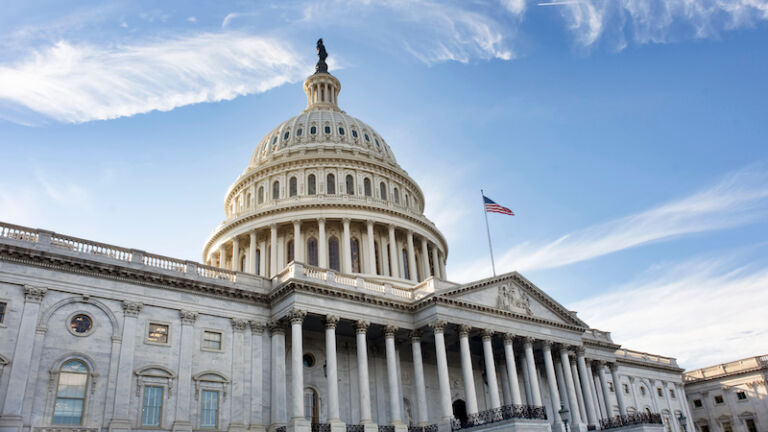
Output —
(152, 410)
(751, 427)
(659, 392)
(626, 389)
(740, 395)
(704, 428)
(718, 399)
(727, 427)
(3, 306)
(697, 403)
(212, 340)
(209, 413)
(610, 386)
(158, 333)
(671, 393)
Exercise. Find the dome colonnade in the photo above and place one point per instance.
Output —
(324, 189)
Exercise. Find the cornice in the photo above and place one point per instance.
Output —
(724, 375)
(599, 344)
(647, 365)
(293, 287)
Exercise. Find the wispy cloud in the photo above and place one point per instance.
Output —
(739, 198)
(703, 311)
(79, 82)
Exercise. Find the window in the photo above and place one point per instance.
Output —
(312, 251)
(406, 270)
(660, 392)
(355, 250)
(308, 360)
(642, 391)
(740, 395)
(610, 386)
(209, 412)
(341, 131)
(257, 261)
(70, 393)
(671, 393)
(697, 403)
(313, 130)
(158, 333)
(152, 409)
(377, 143)
(81, 324)
(330, 184)
(333, 254)
(354, 133)
(367, 187)
(327, 130)
(727, 427)
(243, 264)
(396, 196)
(378, 259)
(286, 135)
(718, 399)
(367, 139)
(626, 389)
(750, 423)
(248, 201)
(290, 251)
(704, 428)
(311, 406)
(298, 132)
(274, 140)
(350, 184)
(292, 187)
(3, 306)
(383, 191)
(407, 200)
(211, 340)
(261, 194)
(311, 184)
(275, 190)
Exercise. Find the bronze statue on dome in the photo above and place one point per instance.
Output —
(322, 54)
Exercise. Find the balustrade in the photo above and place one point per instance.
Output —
(506, 412)
(630, 419)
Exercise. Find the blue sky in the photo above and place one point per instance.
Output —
(629, 136)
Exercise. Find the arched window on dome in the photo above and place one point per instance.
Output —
(377, 257)
(71, 393)
(311, 184)
(367, 186)
(312, 251)
(243, 264)
(248, 200)
(333, 254)
(396, 196)
(313, 130)
(354, 248)
(261, 194)
(289, 251)
(383, 191)
(257, 260)
(276, 190)
(293, 186)
(330, 186)
(350, 183)
(406, 270)
(407, 200)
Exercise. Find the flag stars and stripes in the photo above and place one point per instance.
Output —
(492, 207)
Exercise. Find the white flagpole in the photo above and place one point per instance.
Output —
(488, 231)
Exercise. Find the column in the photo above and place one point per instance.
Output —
(332, 373)
(526, 382)
(263, 258)
(298, 243)
(297, 367)
(184, 392)
(252, 263)
(425, 258)
(606, 391)
(418, 376)
(672, 420)
(442, 267)
(322, 244)
(222, 256)
(371, 253)
(393, 255)
(11, 418)
(278, 403)
(235, 266)
(573, 401)
(438, 326)
(257, 401)
(532, 375)
(273, 250)
(120, 414)
(414, 272)
(686, 407)
(509, 354)
(435, 263)
(346, 250)
(384, 256)
(593, 388)
(586, 389)
(237, 421)
(466, 370)
(577, 386)
(490, 368)
(393, 378)
(617, 390)
(546, 349)
(362, 370)
(634, 393)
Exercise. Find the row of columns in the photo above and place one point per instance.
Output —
(390, 256)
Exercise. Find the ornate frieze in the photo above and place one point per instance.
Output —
(509, 298)
(239, 324)
(257, 327)
(132, 309)
(188, 317)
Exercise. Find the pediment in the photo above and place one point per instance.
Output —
(513, 293)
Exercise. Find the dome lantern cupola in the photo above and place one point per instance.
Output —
(322, 88)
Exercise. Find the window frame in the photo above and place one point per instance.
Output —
(218, 408)
(312, 253)
(330, 184)
(349, 184)
(311, 184)
(293, 187)
(88, 381)
(68, 323)
(159, 424)
(700, 405)
(722, 399)
(334, 253)
(150, 322)
(739, 398)
(275, 190)
(367, 190)
(203, 340)
(355, 254)
(3, 311)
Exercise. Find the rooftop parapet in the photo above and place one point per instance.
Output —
(736, 367)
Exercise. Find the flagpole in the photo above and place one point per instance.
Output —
(488, 231)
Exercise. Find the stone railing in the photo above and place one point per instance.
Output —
(645, 357)
(88, 247)
(630, 419)
(17, 232)
(427, 428)
(355, 428)
(64, 429)
(506, 412)
(320, 427)
(735, 367)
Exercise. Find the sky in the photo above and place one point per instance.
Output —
(629, 137)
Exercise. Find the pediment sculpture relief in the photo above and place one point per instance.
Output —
(511, 299)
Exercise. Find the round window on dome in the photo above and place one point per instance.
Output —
(354, 133)
(286, 135)
(308, 360)
(341, 131)
(313, 130)
(298, 132)
(328, 129)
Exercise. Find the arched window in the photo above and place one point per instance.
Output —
(355, 251)
(350, 183)
(261, 194)
(257, 270)
(333, 254)
(243, 264)
(407, 201)
(312, 251)
(248, 200)
(311, 184)
(367, 187)
(70, 393)
(378, 258)
(406, 270)
(292, 186)
(396, 196)
(330, 185)
(290, 251)
(383, 191)
(311, 406)
(276, 190)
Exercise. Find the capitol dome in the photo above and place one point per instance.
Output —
(324, 188)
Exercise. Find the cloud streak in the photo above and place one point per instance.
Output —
(76, 83)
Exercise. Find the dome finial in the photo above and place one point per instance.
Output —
(322, 54)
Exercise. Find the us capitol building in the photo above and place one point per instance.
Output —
(321, 304)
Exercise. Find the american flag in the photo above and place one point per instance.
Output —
(491, 206)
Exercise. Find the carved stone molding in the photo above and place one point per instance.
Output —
(509, 338)
(33, 294)
(188, 317)
(438, 326)
(239, 324)
(331, 321)
(276, 327)
(528, 340)
(415, 335)
(132, 309)
(464, 330)
(487, 334)
(297, 316)
(580, 351)
(390, 330)
(257, 327)
(362, 326)
(546, 343)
